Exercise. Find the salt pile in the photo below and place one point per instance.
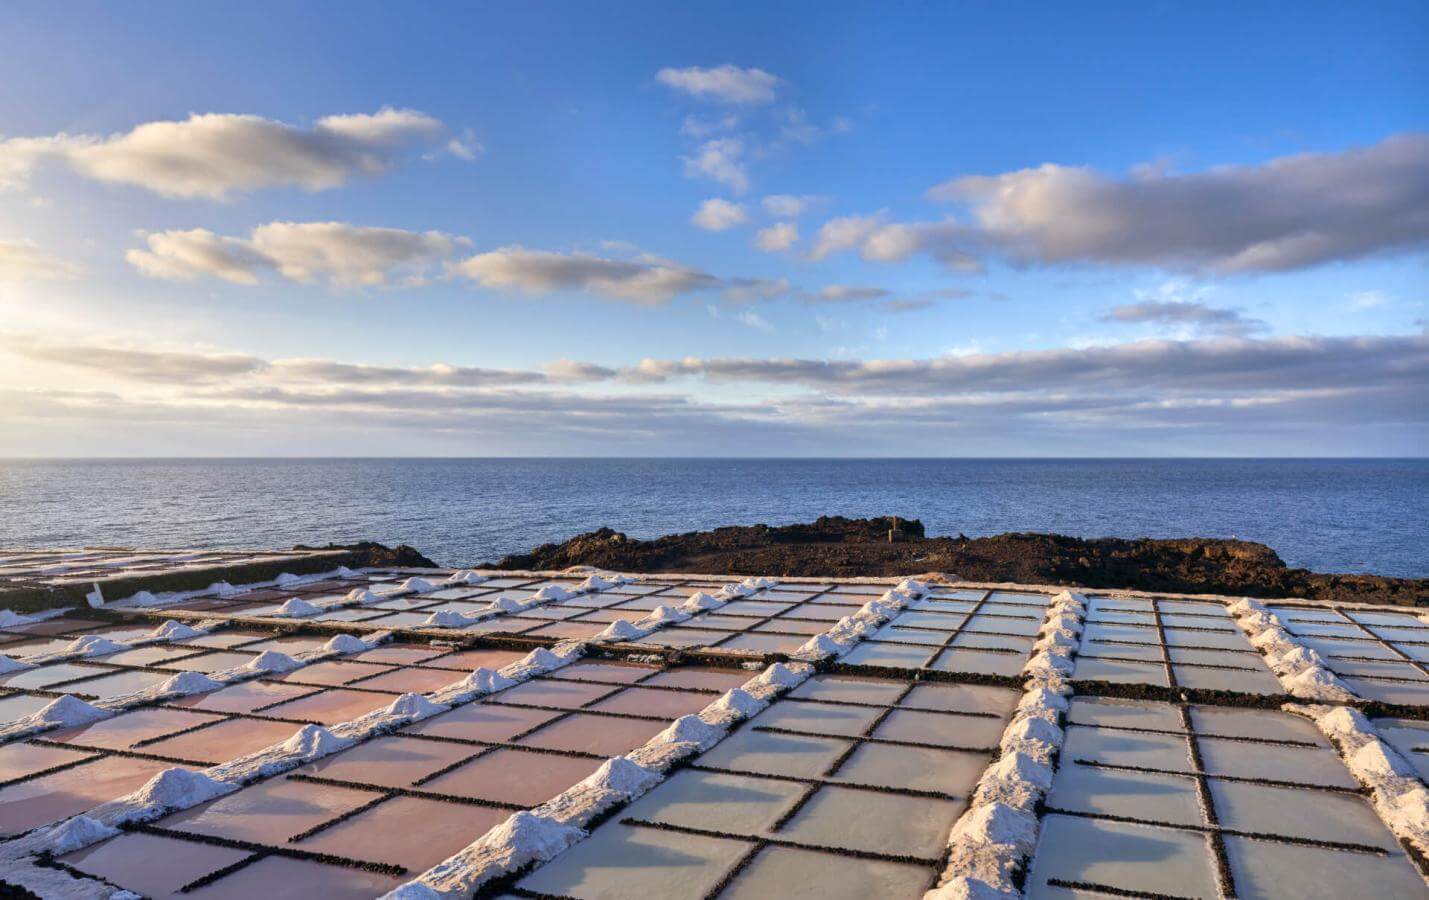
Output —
(1300, 670)
(995, 837)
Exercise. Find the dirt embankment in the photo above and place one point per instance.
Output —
(835, 546)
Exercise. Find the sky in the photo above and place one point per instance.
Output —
(653, 229)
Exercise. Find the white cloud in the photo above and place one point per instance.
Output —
(844, 233)
(754, 320)
(644, 280)
(728, 84)
(716, 214)
(216, 154)
(23, 261)
(1289, 213)
(134, 363)
(720, 160)
(1205, 319)
(789, 206)
(186, 255)
(1362, 300)
(779, 236)
(840, 293)
(1246, 395)
(334, 252)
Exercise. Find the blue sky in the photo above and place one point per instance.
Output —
(1171, 195)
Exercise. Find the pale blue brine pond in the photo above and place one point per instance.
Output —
(1328, 515)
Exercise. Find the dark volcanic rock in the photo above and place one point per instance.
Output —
(835, 546)
(371, 553)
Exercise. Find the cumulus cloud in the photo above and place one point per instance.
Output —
(1289, 213)
(777, 237)
(720, 160)
(23, 261)
(186, 255)
(789, 206)
(214, 155)
(845, 233)
(334, 252)
(645, 280)
(727, 84)
(716, 214)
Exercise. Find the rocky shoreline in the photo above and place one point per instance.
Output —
(834, 546)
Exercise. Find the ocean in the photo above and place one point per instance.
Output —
(1329, 515)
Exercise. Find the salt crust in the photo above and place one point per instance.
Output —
(1399, 796)
(89, 645)
(548, 594)
(1301, 671)
(189, 683)
(176, 788)
(542, 833)
(11, 619)
(165, 793)
(851, 629)
(997, 834)
(535, 836)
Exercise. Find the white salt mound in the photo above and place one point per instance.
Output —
(296, 607)
(1376, 760)
(620, 630)
(345, 643)
(75, 834)
(314, 741)
(554, 592)
(622, 776)
(998, 823)
(662, 614)
(465, 576)
(691, 730)
(779, 675)
(417, 585)
(533, 837)
(186, 683)
(740, 701)
(8, 665)
(94, 645)
(1018, 766)
(699, 601)
(416, 706)
(178, 788)
(272, 661)
(488, 681)
(448, 619)
(69, 710)
(9, 619)
(175, 631)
